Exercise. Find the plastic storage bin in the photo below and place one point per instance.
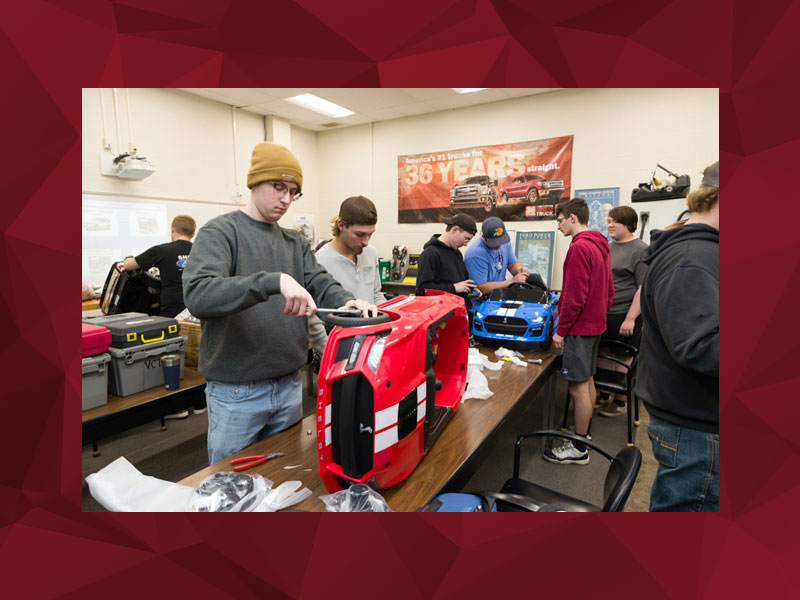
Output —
(94, 384)
(138, 329)
(138, 368)
(94, 340)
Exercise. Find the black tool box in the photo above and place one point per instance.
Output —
(130, 291)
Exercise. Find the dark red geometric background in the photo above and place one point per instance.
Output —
(51, 49)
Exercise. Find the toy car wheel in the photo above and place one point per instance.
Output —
(533, 195)
(345, 320)
(548, 340)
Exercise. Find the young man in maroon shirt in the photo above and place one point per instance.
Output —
(587, 291)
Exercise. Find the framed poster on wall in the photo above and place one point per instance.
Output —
(535, 250)
(600, 201)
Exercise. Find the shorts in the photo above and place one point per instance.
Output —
(579, 361)
(613, 323)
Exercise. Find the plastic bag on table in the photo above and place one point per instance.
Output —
(283, 496)
(185, 315)
(356, 498)
(229, 491)
(477, 387)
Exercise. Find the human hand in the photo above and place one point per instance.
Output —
(298, 301)
(626, 329)
(558, 341)
(520, 277)
(464, 287)
(367, 309)
(525, 270)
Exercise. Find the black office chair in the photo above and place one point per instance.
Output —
(520, 495)
(616, 382)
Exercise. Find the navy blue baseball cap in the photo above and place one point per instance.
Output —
(494, 232)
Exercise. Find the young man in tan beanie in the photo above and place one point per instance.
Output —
(252, 284)
(350, 259)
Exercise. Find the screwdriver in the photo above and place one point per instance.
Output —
(538, 361)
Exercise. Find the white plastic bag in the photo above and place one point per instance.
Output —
(121, 487)
(478, 387)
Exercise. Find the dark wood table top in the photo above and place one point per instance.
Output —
(472, 423)
(191, 378)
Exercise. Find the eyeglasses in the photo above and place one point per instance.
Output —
(282, 190)
(559, 219)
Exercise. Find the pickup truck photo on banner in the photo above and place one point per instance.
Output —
(516, 182)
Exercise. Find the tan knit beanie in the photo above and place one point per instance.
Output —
(273, 162)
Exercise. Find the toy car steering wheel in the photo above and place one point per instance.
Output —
(346, 320)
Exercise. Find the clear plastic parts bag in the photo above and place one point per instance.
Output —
(228, 491)
(356, 498)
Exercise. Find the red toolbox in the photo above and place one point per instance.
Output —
(95, 340)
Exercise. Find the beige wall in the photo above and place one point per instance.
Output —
(619, 137)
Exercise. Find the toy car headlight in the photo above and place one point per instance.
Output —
(375, 353)
(538, 320)
(479, 315)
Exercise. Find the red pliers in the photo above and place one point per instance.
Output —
(251, 461)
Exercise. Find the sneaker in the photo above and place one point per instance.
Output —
(178, 415)
(613, 410)
(603, 401)
(199, 411)
(566, 455)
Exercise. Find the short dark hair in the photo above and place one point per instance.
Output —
(574, 206)
(625, 215)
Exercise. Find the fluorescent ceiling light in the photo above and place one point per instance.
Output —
(467, 90)
(317, 104)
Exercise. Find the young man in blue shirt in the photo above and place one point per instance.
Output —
(489, 258)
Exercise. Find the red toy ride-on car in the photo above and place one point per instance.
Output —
(387, 386)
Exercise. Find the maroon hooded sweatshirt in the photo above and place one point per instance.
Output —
(587, 287)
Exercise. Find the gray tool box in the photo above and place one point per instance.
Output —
(94, 381)
(138, 368)
(136, 329)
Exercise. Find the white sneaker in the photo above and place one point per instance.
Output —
(566, 455)
(613, 410)
(178, 415)
(199, 411)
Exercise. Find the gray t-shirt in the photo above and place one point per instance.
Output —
(361, 278)
(628, 272)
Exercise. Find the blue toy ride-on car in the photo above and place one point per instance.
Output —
(519, 317)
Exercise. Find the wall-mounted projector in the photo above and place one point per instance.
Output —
(132, 166)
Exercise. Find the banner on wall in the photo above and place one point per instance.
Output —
(516, 182)
(600, 201)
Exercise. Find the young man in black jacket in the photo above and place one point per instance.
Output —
(678, 376)
(441, 264)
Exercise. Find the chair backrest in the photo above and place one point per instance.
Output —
(620, 478)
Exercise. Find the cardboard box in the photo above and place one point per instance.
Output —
(192, 331)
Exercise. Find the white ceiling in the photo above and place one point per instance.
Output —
(369, 104)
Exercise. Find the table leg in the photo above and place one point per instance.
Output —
(549, 412)
(95, 449)
(163, 424)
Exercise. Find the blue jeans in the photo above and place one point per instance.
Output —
(240, 414)
(688, 468)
